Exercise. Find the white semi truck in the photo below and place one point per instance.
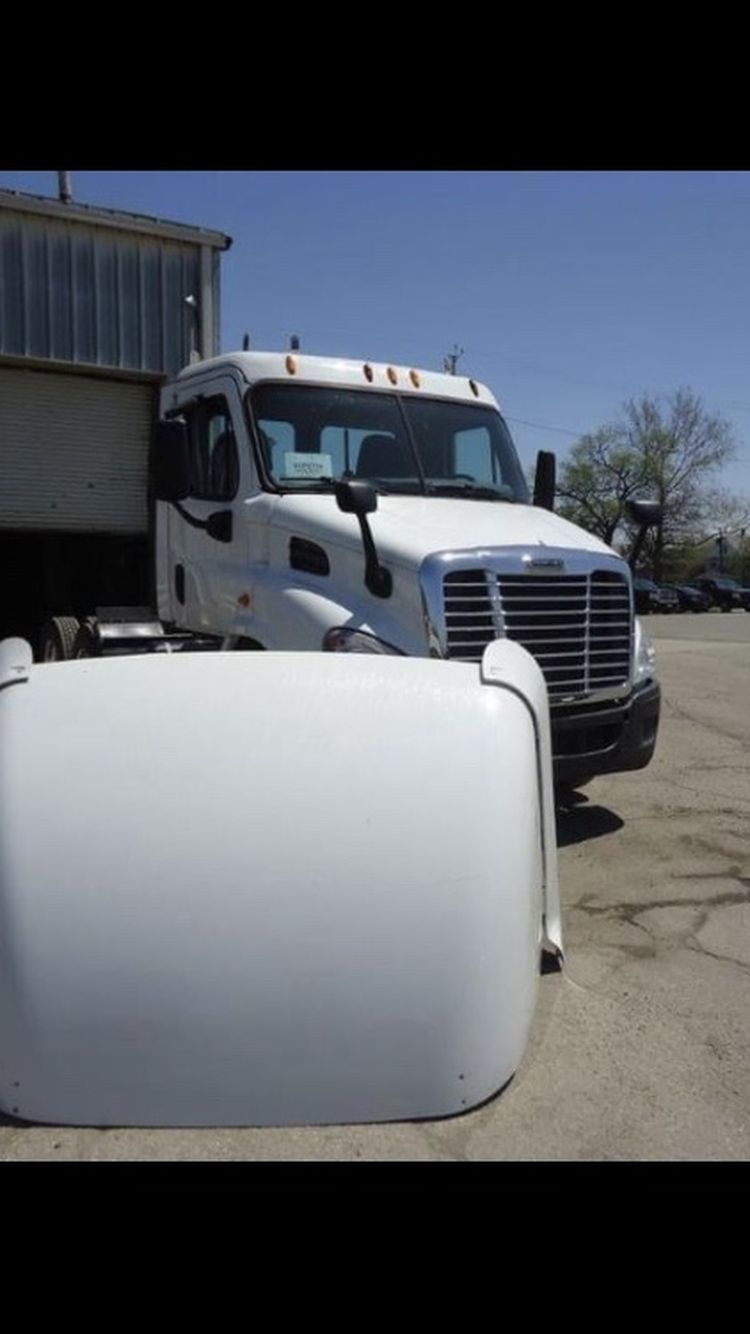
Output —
(308, 503)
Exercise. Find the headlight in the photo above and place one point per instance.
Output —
(341, 640)
(645, 655)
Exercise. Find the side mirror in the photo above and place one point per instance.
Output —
(356, 498)
(362, 499)
(646, 513)
(219, 526)
(544, 480)
(170, 461)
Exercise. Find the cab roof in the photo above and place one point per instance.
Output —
(301, 368)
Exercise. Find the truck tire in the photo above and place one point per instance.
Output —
(57, 639)
(86, 644)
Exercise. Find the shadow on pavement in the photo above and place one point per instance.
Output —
(577, 821)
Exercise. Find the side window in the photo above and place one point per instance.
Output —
(214, 461)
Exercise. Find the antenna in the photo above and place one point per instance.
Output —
(246, 343)
(449, 362)
(64, 187)
(294, 342)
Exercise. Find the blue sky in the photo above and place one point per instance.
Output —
(568, 291)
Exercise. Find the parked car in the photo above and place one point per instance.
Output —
(724, 592)
(691, 599)
(649, 597)
(669, 598)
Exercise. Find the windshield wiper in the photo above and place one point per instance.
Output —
(301, 485)
(468, 489)
(307, 485)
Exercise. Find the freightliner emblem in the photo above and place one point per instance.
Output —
(544, 563)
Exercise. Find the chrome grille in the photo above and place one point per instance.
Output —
(577, 626)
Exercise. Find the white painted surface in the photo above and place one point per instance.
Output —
(268, 888)
(408, 528)
(255, 366)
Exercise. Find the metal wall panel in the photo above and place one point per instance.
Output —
(71, 291)
(73, 452)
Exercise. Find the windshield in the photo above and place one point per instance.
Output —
(312, 436)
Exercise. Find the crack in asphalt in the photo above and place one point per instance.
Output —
(700, 791)
(688, 938)
(679, 711)
(698, 948)
(657, 814)
(713, 849)
(730, 874)
(718, 901)
(740, 766)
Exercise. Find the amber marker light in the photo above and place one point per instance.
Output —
(392, 376)
(291, 365)
(414, 379)
(368, 373)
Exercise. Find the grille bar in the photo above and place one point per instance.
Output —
(578, 627)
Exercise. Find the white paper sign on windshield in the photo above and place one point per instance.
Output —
(301, 466)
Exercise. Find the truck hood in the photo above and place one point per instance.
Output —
(408, 528)
(294, 968)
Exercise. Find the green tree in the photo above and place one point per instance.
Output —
(666, 450)
(601, 473)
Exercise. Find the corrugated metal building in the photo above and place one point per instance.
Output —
(97, 306)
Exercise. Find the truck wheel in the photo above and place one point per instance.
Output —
(86, 644)
(58, 637)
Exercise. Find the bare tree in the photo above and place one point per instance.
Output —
(664, 449)
(725, 512)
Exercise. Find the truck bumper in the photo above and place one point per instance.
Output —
(602, 739)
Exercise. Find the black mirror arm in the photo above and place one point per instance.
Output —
(360, 498)
(377, 579)
(638, 546)
(218, 525)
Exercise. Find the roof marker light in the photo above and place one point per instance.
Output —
(474, 388)
(368, 373)
(413, 376)
(291, 365)
(392, 376)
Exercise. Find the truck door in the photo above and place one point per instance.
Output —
(207, 539)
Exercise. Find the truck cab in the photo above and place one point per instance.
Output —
(304, 502)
